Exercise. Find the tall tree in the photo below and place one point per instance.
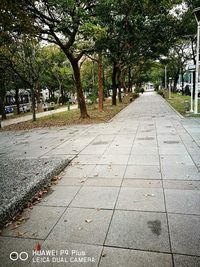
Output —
(65, 23)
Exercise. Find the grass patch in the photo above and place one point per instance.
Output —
(177, 101)
(72, 117)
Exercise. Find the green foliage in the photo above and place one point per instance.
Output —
(135, 95)
(161, 92)
(138, 90)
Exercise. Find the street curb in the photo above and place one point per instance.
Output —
(17, 203)
(181, 116)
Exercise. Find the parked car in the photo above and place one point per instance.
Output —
(9, 109)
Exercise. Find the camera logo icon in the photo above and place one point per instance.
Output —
(14, 256)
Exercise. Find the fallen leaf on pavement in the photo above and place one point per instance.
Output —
(88, 220)
(35, 234)
(149, 195)
(20, 233)
(103, 254)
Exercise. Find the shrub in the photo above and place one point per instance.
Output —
(161, 92)
(138, 90)
(135, 95)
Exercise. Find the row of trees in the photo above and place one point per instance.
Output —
(125, 36)
(181, 52)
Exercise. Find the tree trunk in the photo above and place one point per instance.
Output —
(114, 85)
(182, 81)
(119, 95)
(17, 99)
(2, 107)
(129, 80)
(62, 96)
(123, 81)
(100, 82)
(60, 86)
(119, 85)
(33, 103)
(79, 88)
(176, 76)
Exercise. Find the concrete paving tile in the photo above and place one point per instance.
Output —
(73, 227)
(103, 182)
(149, 143)
(69, 254)
(172, 149)
(71, 181)
(86, 159)
(176, 160)
(98, 146)
(180, 172)
(143, 159)
(144, 199)
(145, 172)
(183, 201)
(40, 222)
(164, 138)
(10, 245)
(108, 171)
(178, 184)
(146, 134)
(186, 261)
(116, 257)
(185, 234)
(150, 150)
(196, 158)
(139, 230)
(118, 150)
(78, 171)
(96, 197)
(141, 183)
(59, 196)
(111, 159)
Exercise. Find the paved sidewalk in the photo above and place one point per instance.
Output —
(38, 115)
(130, 197)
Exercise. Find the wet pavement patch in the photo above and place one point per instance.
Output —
(146, 131)
(21, 179)
(155, 226)
(100, 143)
(171, 142)
(146, 138)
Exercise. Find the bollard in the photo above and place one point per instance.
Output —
(68, 105)
(186, 106)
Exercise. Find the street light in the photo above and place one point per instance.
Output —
(170, 87)
(165, 77)
(196, 12)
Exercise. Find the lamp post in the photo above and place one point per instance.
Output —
(170, 87)
(191, 98)
(165, 76)
(196, 12)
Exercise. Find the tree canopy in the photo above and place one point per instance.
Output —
(128, 34)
